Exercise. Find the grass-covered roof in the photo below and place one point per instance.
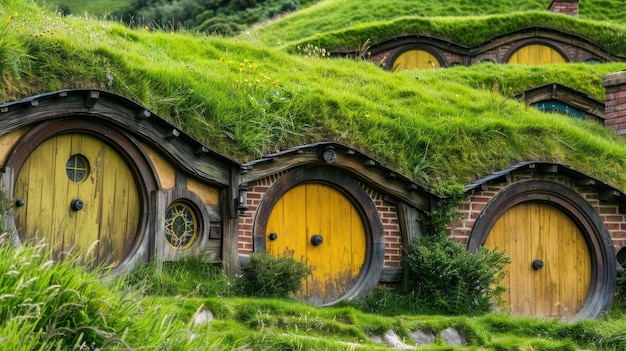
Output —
(244, 97)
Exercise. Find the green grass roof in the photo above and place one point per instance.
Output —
(244, 98)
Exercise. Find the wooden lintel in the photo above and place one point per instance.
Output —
(505, 178)
(201, 150)
(174, 133)
(609, 195)
(369, 163)
(389, 200)
(143, 114)
(585, 182)
(411, 186)
(92, 98)
(548, 169)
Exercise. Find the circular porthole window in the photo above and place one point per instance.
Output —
(77, 168)
(181, 225)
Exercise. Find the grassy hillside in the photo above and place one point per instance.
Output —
(91, 7)
(336, 32)
(244, 99)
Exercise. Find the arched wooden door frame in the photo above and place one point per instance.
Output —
(521, 44)
(603, 271)
(134, 158)
(443, 62)
(375, 247)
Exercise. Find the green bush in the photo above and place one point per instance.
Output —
(270, 276)
(451, 279)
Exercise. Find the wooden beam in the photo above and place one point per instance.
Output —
(201, 150)
(174, 133)
(585, 182)
(143, 114)
(92, 98)
(609, 195)
(548, 169)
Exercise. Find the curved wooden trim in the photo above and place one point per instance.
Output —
(536, 41)
(470, 53)
(375, 246)
(131, 154)
(603, 271)
(443, 61)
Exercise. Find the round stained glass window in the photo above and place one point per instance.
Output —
(181, 225)
(77, 168)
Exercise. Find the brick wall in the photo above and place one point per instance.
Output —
(386, 211)
(391, 227)
(566, 7)
(615, 222)
(615, 105)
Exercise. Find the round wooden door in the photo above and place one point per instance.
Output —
(415, 59)
(78, 193)
(536, 54)
(324, 229)
(550, 272)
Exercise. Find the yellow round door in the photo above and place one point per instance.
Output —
(323, 228)
(415, 59)
(536, 54)
(79, 195)
(550, 270)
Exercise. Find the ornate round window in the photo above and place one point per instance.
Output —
(77, 168)
(181, 225)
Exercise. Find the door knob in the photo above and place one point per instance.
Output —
(77, 205)
(273, 236)
(537, 264)
(19, 202)
(317, 240)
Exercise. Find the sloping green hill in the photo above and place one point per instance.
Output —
(326, 26)
(244, 99)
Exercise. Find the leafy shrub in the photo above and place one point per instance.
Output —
(270, 276)
(452, 279)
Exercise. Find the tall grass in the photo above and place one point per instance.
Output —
(57, 305)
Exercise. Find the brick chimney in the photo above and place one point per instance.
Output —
(566, 7)
(615, 105)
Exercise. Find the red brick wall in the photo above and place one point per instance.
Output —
(615, 105)
(391, 227)
(615, 222)
(566, 7)
(386, 211)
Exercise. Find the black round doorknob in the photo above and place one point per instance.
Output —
(317, 240)
(537, 264)
(19, 202)
(77, 205)
(273, 236)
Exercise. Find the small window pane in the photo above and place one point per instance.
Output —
(77, 168)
